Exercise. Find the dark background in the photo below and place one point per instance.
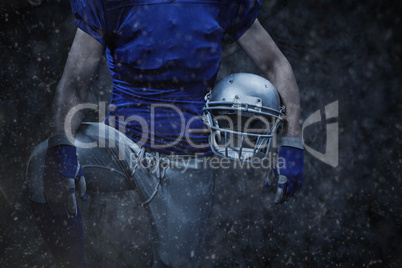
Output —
(348, 216)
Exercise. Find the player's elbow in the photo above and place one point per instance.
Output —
(278, 66)
(65, 93)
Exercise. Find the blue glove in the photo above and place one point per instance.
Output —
(62, 172)
(288, 170)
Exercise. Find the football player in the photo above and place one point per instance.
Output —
(163, 56)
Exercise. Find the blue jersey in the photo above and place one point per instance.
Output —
(163, 56)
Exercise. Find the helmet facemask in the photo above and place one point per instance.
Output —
(242, 136)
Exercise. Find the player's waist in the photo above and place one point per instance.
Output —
(168, 134)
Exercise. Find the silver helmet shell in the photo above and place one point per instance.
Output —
(243, 112)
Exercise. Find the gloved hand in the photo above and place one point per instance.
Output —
(288, 170)
(62, 172)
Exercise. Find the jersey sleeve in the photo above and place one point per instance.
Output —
(89, 17)
(244, 15)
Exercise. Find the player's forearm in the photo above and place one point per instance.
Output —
(261, 48)
(66, 99)
(281, 75)
(80, 70)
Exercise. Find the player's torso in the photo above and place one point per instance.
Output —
(164, 52)
(163, 41)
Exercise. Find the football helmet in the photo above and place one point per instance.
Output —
(243, 112)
